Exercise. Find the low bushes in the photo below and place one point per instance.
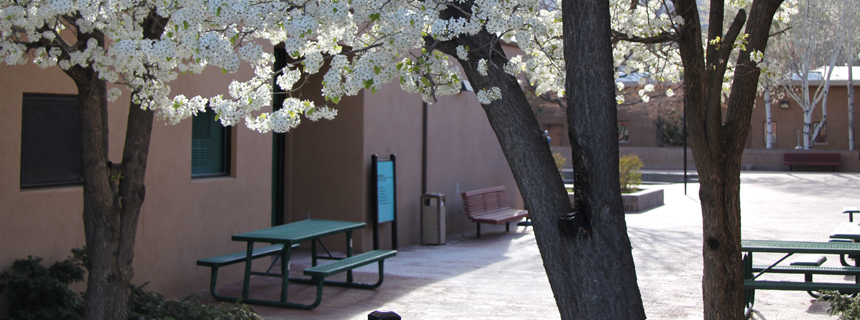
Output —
(36, 292)
(628, 169)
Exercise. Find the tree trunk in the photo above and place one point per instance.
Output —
(718, 143)
(113, 193)
(605, 284)
(589, 263)
(807, 129)
(107, 283)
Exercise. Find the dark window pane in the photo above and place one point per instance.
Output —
(50, 141)
(210, 146)
(821, 138)
(623, 134)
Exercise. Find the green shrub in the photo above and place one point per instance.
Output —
(560, 160)
(35, 292)
(148, 305)
(628, 169)
(847, 307)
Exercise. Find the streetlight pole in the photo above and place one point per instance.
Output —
(685, 148)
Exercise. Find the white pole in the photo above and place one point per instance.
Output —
(769, 135)
(850, 104)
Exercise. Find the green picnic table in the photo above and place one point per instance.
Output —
(794, 247)
(284, 238)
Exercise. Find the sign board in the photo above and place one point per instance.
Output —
(385, 191)
(383, 199)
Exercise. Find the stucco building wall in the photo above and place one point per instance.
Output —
(329, 162)
(182, 219)
(789, 121)
(327, 176)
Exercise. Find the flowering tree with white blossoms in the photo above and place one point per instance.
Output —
(359, 45)
(362, 44)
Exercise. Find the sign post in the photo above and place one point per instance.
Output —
(383, 197)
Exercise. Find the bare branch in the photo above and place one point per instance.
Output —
(662, 37)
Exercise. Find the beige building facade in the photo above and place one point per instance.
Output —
(640, 132)
(326, 175)
(787, 116)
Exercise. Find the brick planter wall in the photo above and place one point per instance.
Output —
(644, 200)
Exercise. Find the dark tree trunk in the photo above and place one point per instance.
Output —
(589, 263)
(107, 283)
(718, 143)
(113, 193)
(604, 272)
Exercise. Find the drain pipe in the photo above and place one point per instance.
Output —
(424, 149)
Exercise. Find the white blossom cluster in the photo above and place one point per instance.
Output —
(358, 44)
(220, 33)
(486, 96)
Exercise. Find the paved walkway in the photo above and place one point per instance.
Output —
(501, 275)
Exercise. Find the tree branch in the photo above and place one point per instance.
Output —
(731, 35)
(779, 32)
(662, 37)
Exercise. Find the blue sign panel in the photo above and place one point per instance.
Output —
(385, 190)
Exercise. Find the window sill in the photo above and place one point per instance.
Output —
(52, 188)
(212, 178)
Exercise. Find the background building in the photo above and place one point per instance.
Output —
(652, 130)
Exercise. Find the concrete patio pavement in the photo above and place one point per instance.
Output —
(501, 276)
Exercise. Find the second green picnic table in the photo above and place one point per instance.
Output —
(793, 247)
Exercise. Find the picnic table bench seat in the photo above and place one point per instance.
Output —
(490, 205)
(800, 286)
(320, 272)
(330, 269)
(844, 271)
(236, 257)
(826, 159)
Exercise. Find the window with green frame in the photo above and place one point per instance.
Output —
(210, 147)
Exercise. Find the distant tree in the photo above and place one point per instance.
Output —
(720, 76)
(816, 33)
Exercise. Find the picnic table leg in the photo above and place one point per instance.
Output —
(856, 278)
(285, 270)
(749, 294)
(247, 283)
(349, 254)
(808, 278)
(314, 252)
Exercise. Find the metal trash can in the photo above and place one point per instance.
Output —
(433, 219)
